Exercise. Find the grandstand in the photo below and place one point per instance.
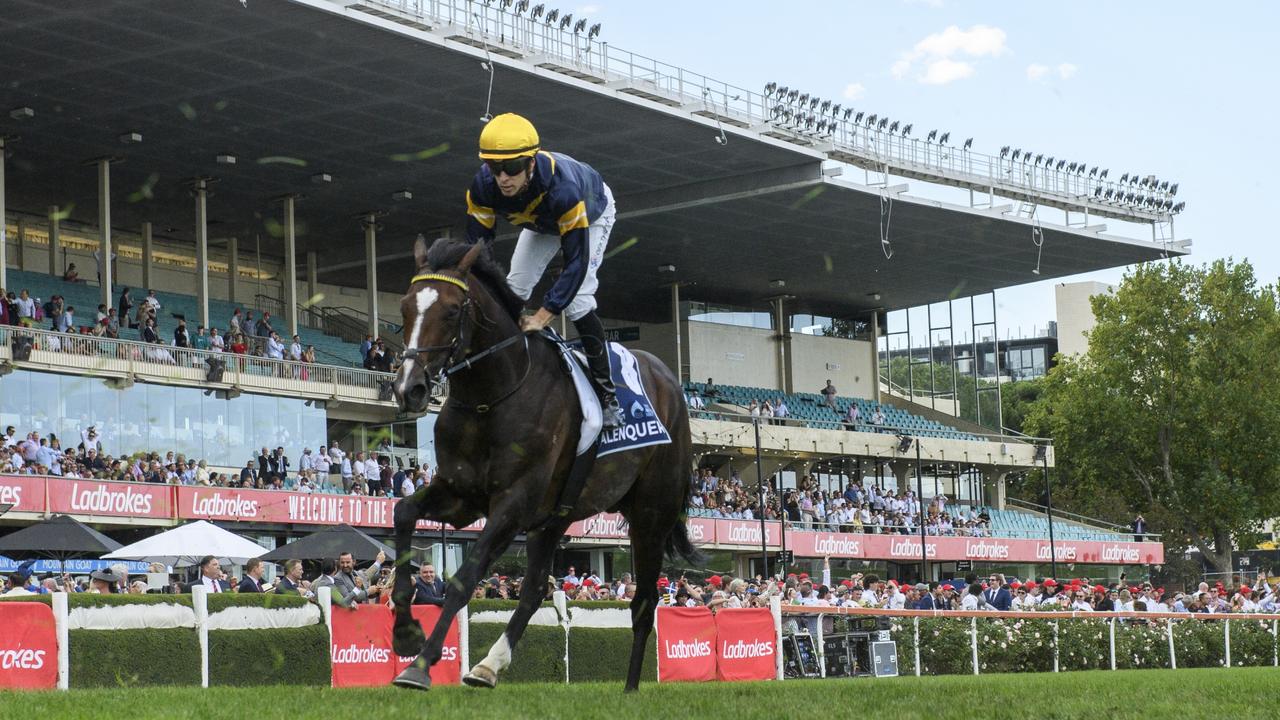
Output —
(327, 135)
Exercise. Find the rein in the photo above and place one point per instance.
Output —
(457, 343)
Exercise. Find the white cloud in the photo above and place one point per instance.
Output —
(1037, 72)
(588, 9)
(854, 91)
(941, 72)
(939, 52)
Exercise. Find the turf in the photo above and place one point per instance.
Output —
(1128, 694)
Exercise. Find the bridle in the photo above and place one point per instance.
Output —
(461, 340)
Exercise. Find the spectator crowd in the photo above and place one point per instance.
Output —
(330, 470)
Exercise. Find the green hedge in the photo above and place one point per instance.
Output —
(85, 599)
(539, 656)
(222, 601)
(1027, 644)
(603, 655)
(129, 658)
(276, 656)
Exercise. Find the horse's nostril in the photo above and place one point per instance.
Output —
(416, 395)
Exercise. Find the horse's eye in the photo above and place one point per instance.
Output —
(454, 312)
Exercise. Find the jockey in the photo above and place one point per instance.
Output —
(560, 204)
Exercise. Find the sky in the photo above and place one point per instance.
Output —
(1172, 89)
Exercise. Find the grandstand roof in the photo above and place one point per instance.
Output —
(345, 92)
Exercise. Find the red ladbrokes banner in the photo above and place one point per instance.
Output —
(28, 646)
(746, 644)
(361, 654)
(686, 644)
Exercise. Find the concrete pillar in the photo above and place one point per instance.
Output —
(148, 258)
(104, 230)
(290, 268)
(22, 244)
(783, 338)
(55, 241)
(675, 321)
(4, 226)
(312, 282)
(875, 356)
(371, 269)
(202, 251)
(993, 487)
(233, 267)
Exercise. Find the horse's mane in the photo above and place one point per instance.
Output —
(446, 253)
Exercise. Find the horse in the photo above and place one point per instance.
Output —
(505, 440)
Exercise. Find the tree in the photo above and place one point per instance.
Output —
(1176, 405)
(1017, 399)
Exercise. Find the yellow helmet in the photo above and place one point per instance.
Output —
(508, 136)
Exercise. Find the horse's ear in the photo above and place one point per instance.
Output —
(464, 266)
(420, 251)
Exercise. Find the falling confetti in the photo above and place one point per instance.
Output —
(282, 160)
(187, 111)
(626, 245)
(808, 197)
(146, 192)
(421, 154)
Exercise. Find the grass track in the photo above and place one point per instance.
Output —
(1128, 694)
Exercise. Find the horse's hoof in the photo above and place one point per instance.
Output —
(414, 678)
(481, 677)
(407, 638)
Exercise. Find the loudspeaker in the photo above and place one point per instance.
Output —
(21, 347)
(215, 369)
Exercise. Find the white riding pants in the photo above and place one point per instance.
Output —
(534, 252)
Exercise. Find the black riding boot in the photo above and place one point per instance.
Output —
(591, 332)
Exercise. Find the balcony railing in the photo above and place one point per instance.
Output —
(128, 360)
(804, 121)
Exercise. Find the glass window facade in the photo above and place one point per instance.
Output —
(197, 423)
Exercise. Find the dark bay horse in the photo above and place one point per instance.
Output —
(505, 442)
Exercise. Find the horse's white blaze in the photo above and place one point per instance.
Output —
(425, 298)
(499, 656)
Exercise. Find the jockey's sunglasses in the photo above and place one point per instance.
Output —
(510, 166)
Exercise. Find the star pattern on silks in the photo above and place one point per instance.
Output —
(526, 216)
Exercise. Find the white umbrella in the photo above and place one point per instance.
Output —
(185, 545)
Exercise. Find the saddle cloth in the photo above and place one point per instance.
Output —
(641, 427)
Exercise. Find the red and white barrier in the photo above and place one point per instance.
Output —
(733, 644)
(361, 653)
(28, 646)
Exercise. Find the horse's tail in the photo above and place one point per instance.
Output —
(679, 545)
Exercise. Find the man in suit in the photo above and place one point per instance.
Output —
(264, 466)
(249, 474)
(211, 576)
(328, 568)
(996, 595)
(348, 579)
(291, 583)
(428, 589)
(928, 597)
(252, 582)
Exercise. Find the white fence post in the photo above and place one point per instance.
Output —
(199, 602)
(464, 638)
(1226, 637)
(561, 601)
(1173, 656)
(325, 601)
(1055, 645)
(60, 619)
(1275, 651)
(817, 642)
(973, 642)
(916, 622)
(1112, 631)
(775, 607)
